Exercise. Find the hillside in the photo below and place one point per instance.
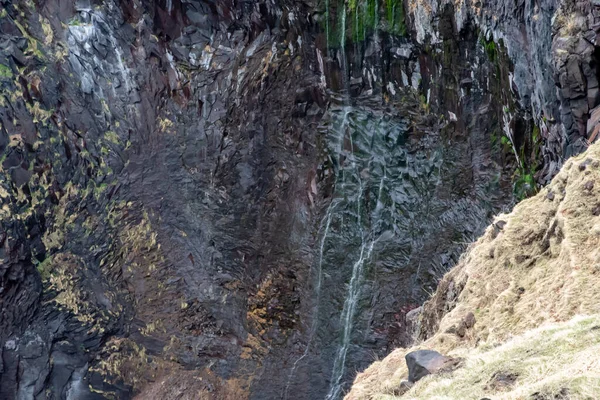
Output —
(531, 282)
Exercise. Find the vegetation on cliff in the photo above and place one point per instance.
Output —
(356, 20)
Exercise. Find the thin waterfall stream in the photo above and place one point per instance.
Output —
(366, 214)
(378, 184)
(339, 133)
(356, 174)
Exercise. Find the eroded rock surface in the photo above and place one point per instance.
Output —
(169, 166)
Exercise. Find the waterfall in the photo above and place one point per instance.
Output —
(347, 318)
(377, 189)
(317, 290)
(339, 133)
(343, 29)
(371, 180)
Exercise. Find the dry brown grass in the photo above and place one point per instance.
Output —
(194, 385)
(542, 267)
(555, 361)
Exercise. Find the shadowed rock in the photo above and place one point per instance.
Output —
(421, 363)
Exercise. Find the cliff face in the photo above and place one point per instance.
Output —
(552, 45)
(225, 199)
(156, 178)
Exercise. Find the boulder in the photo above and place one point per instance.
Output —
(425, 362)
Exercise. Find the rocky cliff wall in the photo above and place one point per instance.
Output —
(168, 168)
(553, 48)
(150, 207)
(515, 304)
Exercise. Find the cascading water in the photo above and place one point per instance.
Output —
(352, 177)
(317, 290)
(339, 132)
(381, 188)
(373, 178)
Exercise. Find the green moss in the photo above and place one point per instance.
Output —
(524, 184)
(535, 135)
(44, 268)
(490, 48)
(5, 72)
(395, 17)
(112, 137)
(362, 17)
(33, 46)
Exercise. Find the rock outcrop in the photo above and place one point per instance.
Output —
(553, 46)
(421, 363)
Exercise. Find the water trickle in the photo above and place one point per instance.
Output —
(98, 19)
(367, 242)
(343, 55)
(317, 291)
(338, 142)
(378, 185)
(323, 80)
(343, 28)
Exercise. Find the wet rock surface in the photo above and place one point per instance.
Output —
(553, 46)
(210, 189)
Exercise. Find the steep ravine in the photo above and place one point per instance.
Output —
(230, 199)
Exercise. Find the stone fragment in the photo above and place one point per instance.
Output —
(502, 381)
(21, 176)
(426, 362)
(404, 387)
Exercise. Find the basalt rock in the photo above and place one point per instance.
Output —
(169, 167)
(553, 47)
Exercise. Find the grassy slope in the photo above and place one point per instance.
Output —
(542, 267)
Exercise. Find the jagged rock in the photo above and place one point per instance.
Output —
(412, 320)
(593, 124)
(465, 324)
(421, 363)
(154, 226)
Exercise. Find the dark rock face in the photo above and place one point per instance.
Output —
(553, 46)
(208, 189)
